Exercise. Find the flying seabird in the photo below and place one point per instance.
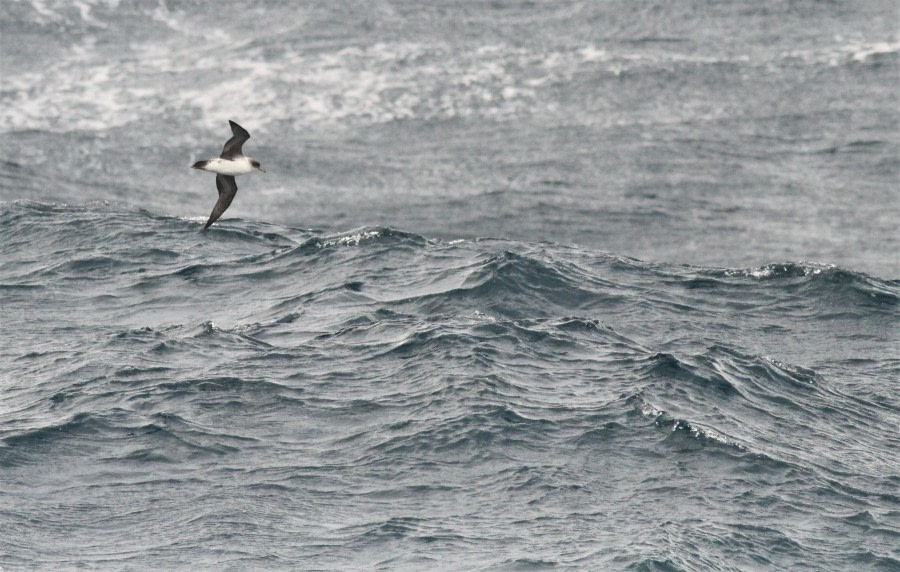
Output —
(226, 167)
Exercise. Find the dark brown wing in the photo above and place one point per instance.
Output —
(233, 146)
(227, 189)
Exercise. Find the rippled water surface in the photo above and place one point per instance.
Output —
(572, 285)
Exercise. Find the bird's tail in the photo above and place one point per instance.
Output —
(199, 164)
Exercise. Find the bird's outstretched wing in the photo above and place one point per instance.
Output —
(227, 189)
(233, 146)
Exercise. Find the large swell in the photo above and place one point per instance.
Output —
(575, 284)
(259, 395)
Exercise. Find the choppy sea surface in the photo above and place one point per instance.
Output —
(578, 285)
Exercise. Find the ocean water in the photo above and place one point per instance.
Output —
(568, 285)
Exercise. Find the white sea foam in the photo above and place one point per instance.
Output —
(207, 73)
(842, 52)
(863, 51)
(93, 89)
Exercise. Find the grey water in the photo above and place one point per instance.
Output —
(568, 285)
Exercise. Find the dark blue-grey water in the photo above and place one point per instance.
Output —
(577, 285)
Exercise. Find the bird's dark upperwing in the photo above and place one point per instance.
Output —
(233, 146)
(227, 189)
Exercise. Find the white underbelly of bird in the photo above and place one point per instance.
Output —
(233, 167)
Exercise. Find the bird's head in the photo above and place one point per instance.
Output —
(255, 164)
